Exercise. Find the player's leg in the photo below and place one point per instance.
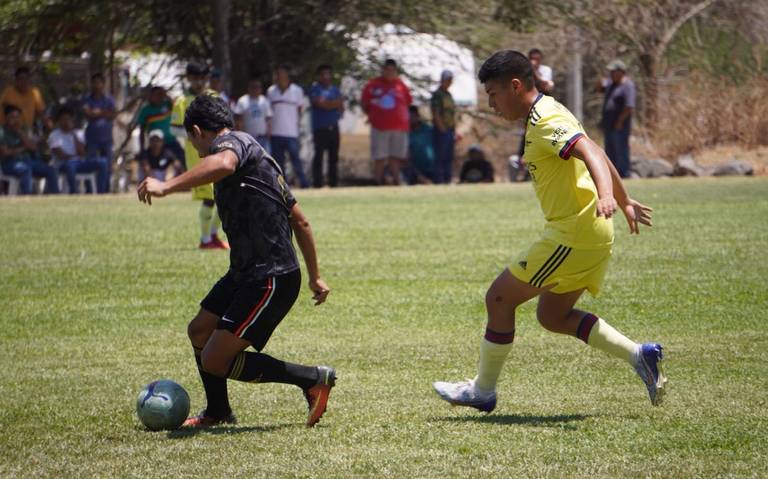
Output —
(501, 300)
(200, 329)
(205, 214)
(378, 154)
(258, 308)
(585, 269)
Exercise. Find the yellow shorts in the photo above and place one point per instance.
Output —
(204, 192)
(547, 262)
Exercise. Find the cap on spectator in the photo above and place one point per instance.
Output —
(617, 65)
(156, 133)
(197, 69)
(446, 75)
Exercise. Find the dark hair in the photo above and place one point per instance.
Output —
(505, 65)
(64, 110)
(155, 88)
(194, 68)
(323, 67)
(413, 109)
(23, 69)
(390, 63)
(97, 76)
(209, 113)
(216, 73)
(8, 109)
(283, 66)
(534, 51)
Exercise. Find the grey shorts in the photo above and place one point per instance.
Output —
(389, 144)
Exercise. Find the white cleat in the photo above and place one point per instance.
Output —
(466, 394)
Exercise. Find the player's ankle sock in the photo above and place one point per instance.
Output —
(494, 348)
(215, 391)
(215, 222)
(601, 335)
(206, 215)
(261, 368)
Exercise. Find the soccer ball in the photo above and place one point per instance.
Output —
(162, 405)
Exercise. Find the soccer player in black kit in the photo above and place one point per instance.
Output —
(259, 215)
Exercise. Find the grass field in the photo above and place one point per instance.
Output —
(96, 294)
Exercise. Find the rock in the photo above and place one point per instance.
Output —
(734, 168)
(654, 168)
(687, 166)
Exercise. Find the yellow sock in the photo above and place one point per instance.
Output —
(205, 214)
(215, 222)
(492, 357)
(601, 335)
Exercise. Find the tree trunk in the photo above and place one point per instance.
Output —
(648, 68)
(221, 57)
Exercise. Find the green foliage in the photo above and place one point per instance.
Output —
(97, 293)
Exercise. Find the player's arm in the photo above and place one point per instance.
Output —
(595, 158)
(211, 169)
(306, 241)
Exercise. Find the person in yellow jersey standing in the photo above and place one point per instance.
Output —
(579, 191)
(197, 78)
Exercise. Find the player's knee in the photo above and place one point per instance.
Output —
(197, 333)
(496, 302)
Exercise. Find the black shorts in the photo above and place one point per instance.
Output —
(252, 309)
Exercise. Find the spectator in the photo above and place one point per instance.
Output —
(476, 169)
(156, 115)
(287, 100)
(99, 109)
(421, 153)
(157, 158)
(18, 154)
(386, 100)
(253, 114)
(542, 78)
(327, 108)
(444, 121)
(618, 106)
(68, 148)
(27, 98)
(216, 83)
(542, 74)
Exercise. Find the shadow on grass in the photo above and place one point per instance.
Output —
(562, 421)
(186, 432)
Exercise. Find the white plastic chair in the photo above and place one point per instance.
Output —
(13, 184)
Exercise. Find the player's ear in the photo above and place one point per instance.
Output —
(195, 132)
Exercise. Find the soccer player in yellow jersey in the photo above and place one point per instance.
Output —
(579, 191)
(209, 217)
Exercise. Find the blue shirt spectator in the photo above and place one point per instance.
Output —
(322, 117)
(99, 109)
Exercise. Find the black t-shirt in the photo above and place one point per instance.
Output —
(254, 204)
(158, 162)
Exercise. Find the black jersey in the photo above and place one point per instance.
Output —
(254, 204)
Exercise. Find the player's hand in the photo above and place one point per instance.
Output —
(606, 207)
(320, 290)
(637, 214)
(150, 187)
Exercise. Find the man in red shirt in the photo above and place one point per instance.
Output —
(386, 100)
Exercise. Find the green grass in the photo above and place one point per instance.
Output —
(96, 294)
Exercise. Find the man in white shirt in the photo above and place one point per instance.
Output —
(287, 101)
(253, 114)
(542, 73)
(68, 147)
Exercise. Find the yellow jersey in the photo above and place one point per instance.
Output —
(564, 187)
